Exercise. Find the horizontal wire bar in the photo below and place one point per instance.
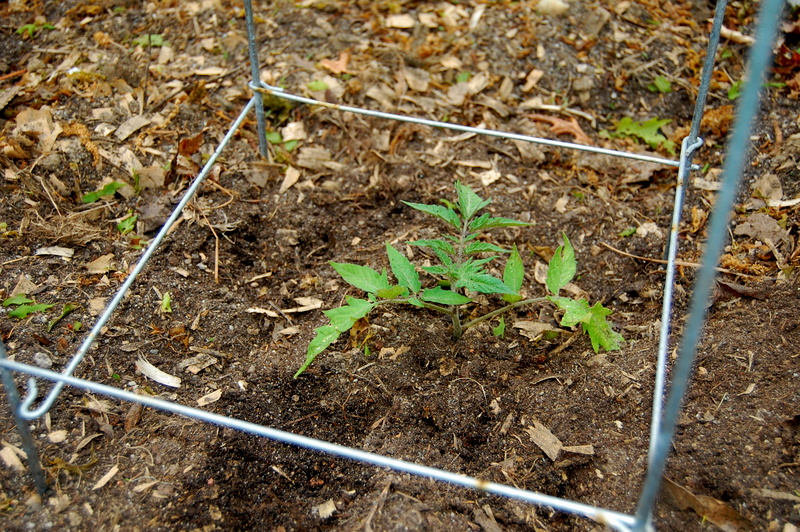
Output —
(25, 408)
(280, 93)
(619, 521)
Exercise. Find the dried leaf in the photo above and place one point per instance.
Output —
(559, 126)
(291, 177)
(403, 21)
(57, 436)
(10, 459)
(101, 264)
(339, 66)
(534, 329)
(709, 508)
(131, 126)
(190, 145)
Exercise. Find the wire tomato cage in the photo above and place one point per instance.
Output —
(666, 401)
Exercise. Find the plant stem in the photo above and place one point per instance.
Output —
(508, 307)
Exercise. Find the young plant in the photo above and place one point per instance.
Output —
(460, 272)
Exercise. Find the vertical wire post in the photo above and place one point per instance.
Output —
(255, 73)
(688, 147)
(28, 445)
(760, 56)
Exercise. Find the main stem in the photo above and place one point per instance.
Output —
(455, 317)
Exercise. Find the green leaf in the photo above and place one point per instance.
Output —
(290, 145)
(69, 307)
(436, 270)
(18, 299)
(483, 283)
(107, 190)
(575, 311)
(735, 90)
(562, 267)
(23, 311)
(416, 302)
(434, 244)
(362, 277)
(149, 40)
(274, 137)
(326, 335)
(468, 202)
(127, 224)
(647, 131)
(660, 84)
(403, 270)
(628, 232)
(316, 86)
(444, 213)
(485, 221)
(393, 292)
(463, 77)
(344, 317)
(513, 275)
(600, 332)
(500, 330)
(445, 297)
(166, 303)
(484, 247)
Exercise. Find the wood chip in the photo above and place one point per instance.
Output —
(101, 264)
(291, 177)
(545, 440)
(326, 509)
(403, 21)
(149, 370)
(57, 251)
(209, 398)
(104, 480)
(131, 126)
(10, 459)
(57, 436)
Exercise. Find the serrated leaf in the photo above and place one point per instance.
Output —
(342, 318)
(434, 244)
(513, 275)
(393, 292)
(469, 203)
(448, 215)
(445, 297)
(562, 267)
(326, 335)
(402, 269)
(362, 277)
(18, 299)
(600, 332)
(484, 247)
(23, 311)
(485, 221)
(69, 307)
(647, 131)
(436, 270)
(483, 283)
(575, 311)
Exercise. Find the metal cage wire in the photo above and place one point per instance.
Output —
(666, 406)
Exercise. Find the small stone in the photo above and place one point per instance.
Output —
(42, 360)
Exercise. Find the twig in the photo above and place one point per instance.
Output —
(376, 506)
(677, 262)
(11, 75)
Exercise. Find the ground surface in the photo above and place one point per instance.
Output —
(88, 99)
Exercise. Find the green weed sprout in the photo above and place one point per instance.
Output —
(460, 272)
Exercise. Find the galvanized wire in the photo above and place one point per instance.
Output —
(278, 92)
(665, 422)
(747, 109)
(615, 520)
(25, 410)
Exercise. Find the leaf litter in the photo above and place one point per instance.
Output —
(476, 64)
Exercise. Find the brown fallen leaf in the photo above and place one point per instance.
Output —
(560, 126)
(714, 510)
(339, 66)
(133, 416)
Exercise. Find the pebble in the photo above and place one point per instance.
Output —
(42, 360)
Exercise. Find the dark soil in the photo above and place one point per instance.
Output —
(418, 396)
